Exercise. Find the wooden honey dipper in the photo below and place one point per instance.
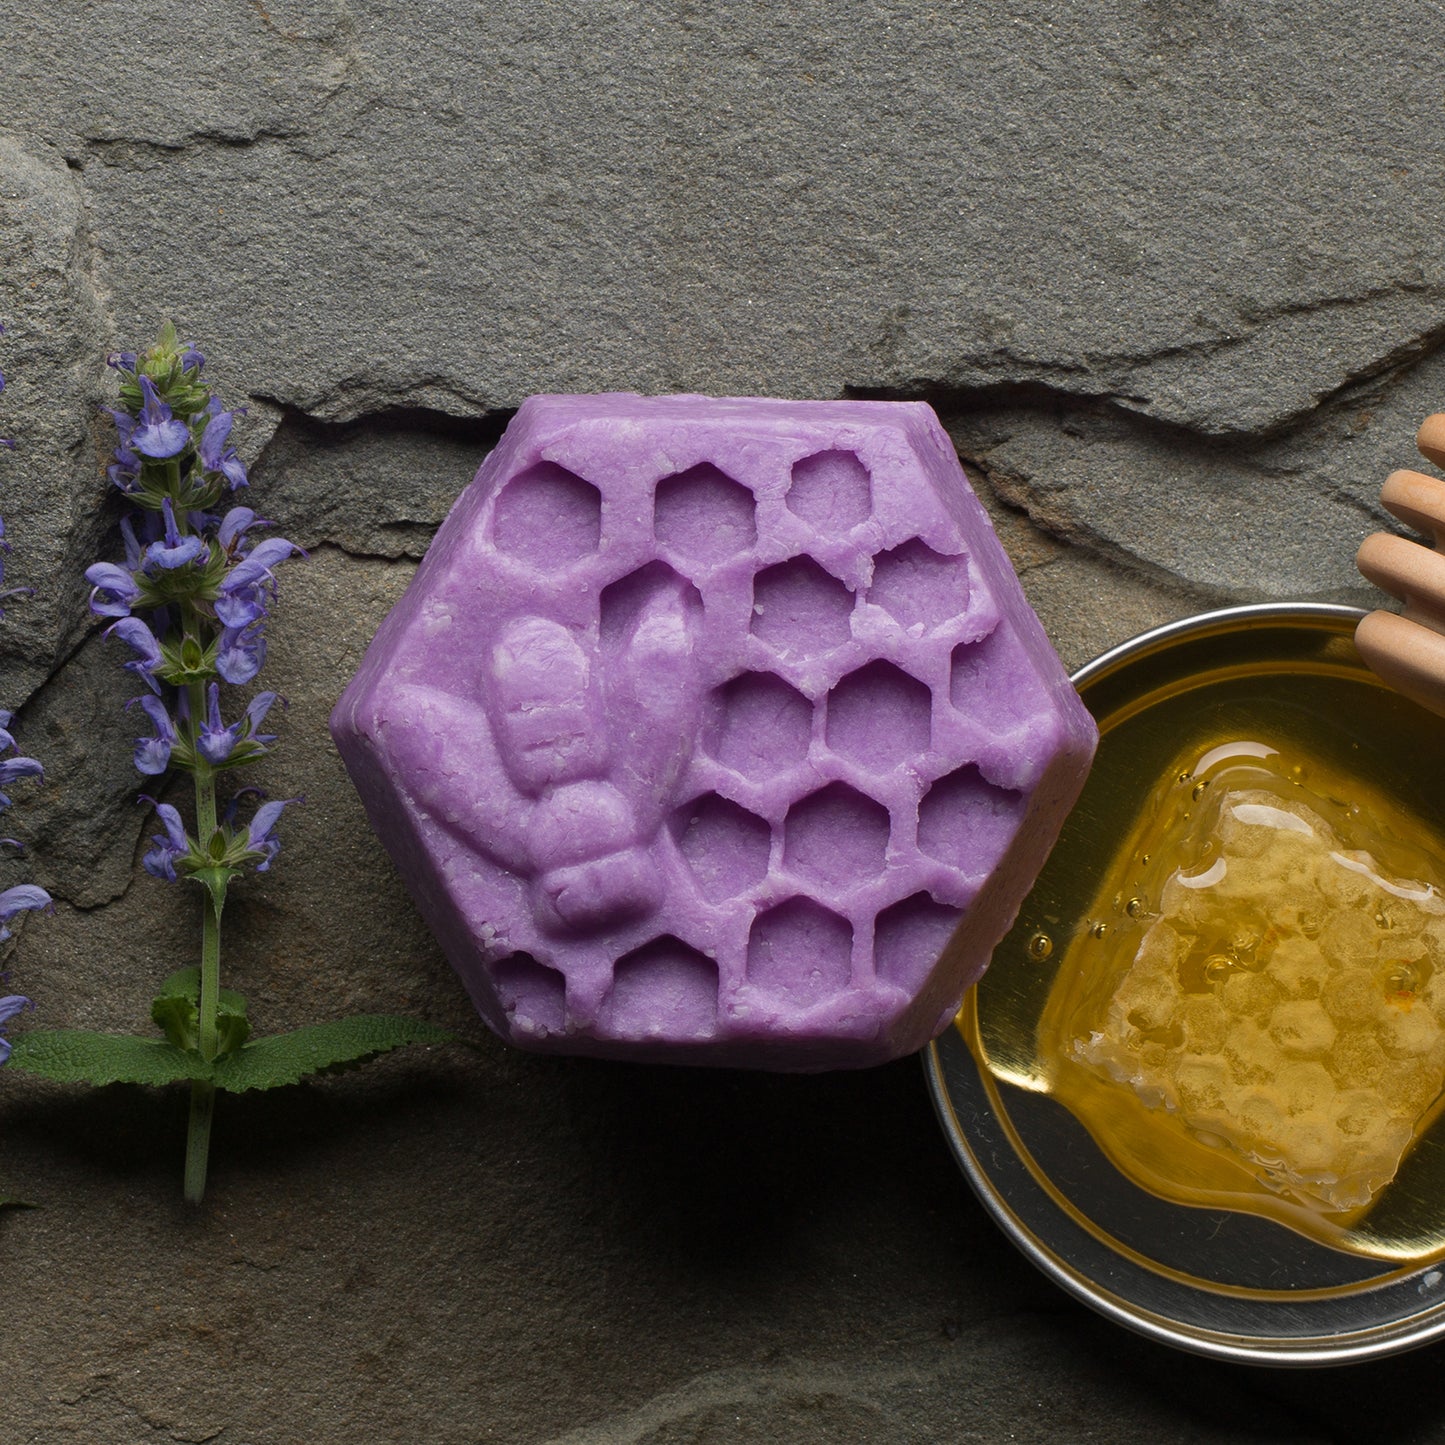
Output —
(1407, 649)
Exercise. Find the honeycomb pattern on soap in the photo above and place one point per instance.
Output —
(657, 828)
(1284, 1000)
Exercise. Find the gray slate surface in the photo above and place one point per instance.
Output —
(1172, 274)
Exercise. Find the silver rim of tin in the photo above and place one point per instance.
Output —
(1406, 1305)
(1204, 622)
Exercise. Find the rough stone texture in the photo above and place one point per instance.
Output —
(1173, 275)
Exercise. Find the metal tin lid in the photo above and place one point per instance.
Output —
(1225, 1283)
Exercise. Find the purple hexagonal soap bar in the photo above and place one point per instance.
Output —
(716, 731)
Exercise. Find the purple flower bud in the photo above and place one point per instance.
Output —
(215, 741)
(258, 836)
(175, 550)
(159, 435)
(240, 607)
(134, 632)
(245, 591)
(241, 652)
(122, 360)
(256, 711)
(167, 847)
(270, 553)
(113, 590)
(124, 471)
(124, 478)
(134, 553)
(216, 456)
(153, 755)
(233, 527)
(191, 359)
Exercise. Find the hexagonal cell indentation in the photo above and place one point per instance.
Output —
(879, 715)
(967, 822)
(653, 597)
(533, 995)
(798, 608)
(909, 936)
(836, 836)
(918, 586)
(663, 989)
(802, 950)
(703, 513)
(831, 490)
(725, 846)
(973, 676)
(758, 725)
(548, 517)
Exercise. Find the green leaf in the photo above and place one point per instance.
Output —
(78, 1056)
(8, 1201)
(185, 983)
(276, 1059)
(176, 1009)
(232, 1030)
(178, 1016)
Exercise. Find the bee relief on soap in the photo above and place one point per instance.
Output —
(564, 766)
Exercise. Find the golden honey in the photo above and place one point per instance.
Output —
(1264, 1005)
(1232, 971)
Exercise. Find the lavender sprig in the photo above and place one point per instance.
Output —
(191, 602)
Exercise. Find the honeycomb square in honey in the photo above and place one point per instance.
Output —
(1267, 982)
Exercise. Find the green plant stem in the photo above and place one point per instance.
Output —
(203, 1092)
(198, 1138)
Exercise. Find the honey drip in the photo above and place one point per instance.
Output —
(1253, 1014)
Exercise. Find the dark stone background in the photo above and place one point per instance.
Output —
(1172, 273)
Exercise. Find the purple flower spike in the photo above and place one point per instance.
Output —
(216, 456)
(11, 1005)
(159, 434)
(153, 755)
(113, 590)
(22, 897)
(175, 550)
(258, 836)
(134, 632)
(173, 844)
